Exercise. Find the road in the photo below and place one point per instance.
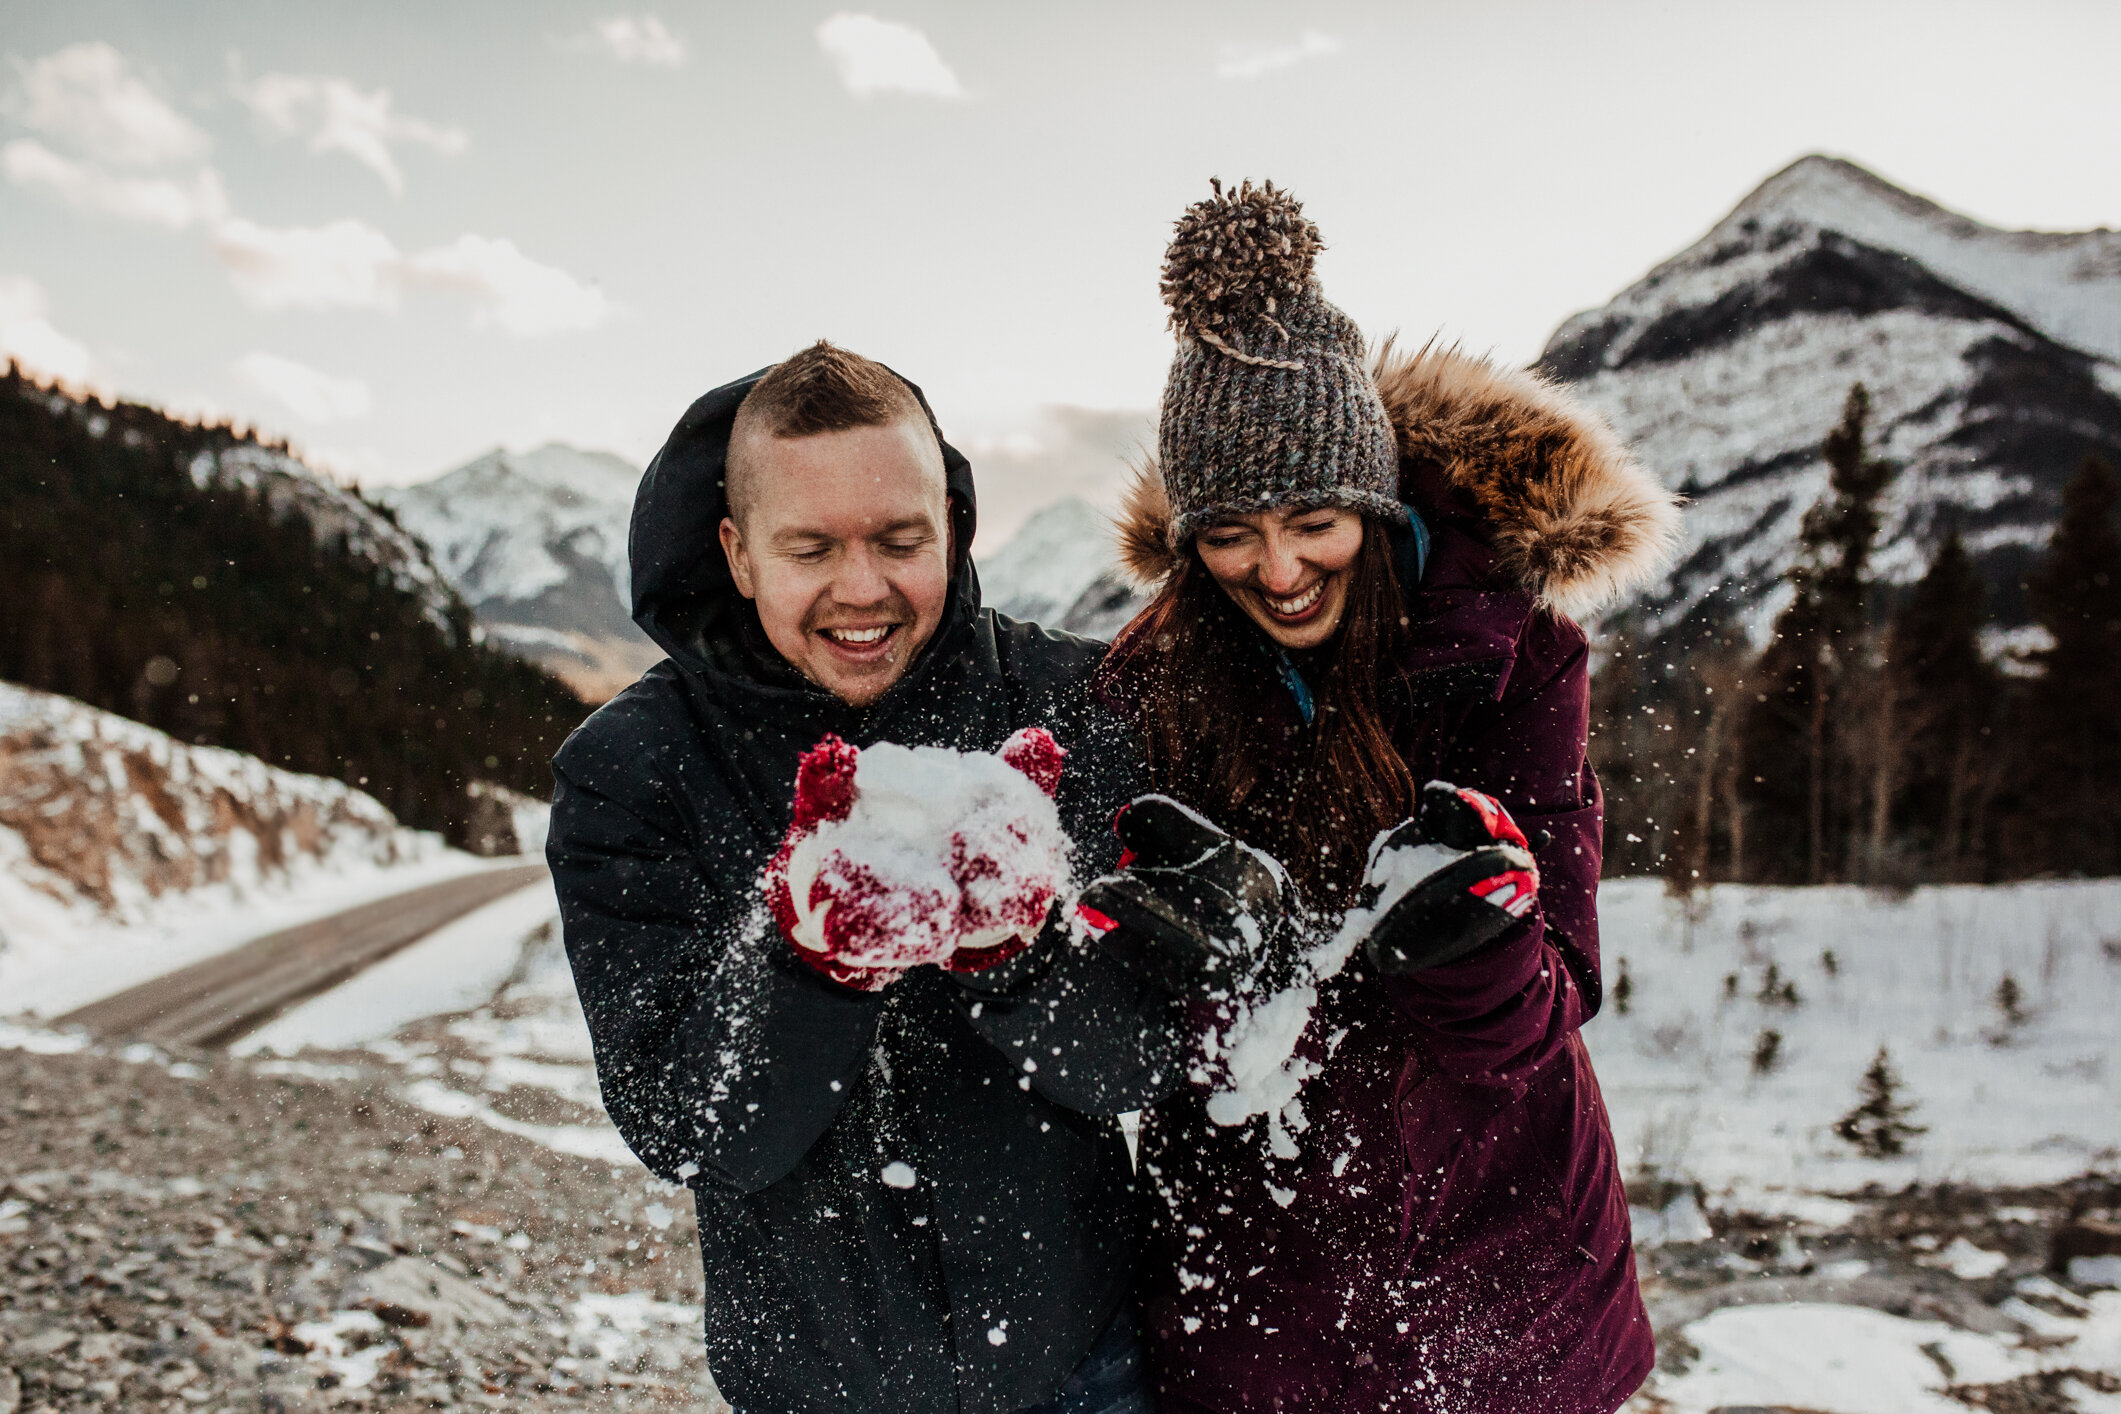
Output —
(212, 1003)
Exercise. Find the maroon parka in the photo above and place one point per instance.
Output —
(1452, 1234)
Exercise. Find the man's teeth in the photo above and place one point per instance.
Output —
(1303, 601)
(859, 636)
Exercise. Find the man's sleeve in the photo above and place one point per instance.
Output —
(1078, 1026)
(717, 1057)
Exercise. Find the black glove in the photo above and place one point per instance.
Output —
(1446, 883)
(1191, 909)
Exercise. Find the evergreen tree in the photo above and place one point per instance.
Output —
(1794, 736)
(1943, 758)
(202, 610)
(2072, 713)
(1879, 1126)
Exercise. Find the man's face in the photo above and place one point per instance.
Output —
(844, 546)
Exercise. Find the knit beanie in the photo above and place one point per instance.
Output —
(1268, 403)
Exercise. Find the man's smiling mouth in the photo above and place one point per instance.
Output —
(867, 637)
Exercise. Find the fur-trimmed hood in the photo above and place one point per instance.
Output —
(1571, 516)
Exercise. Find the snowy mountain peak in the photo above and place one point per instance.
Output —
(598, 478)
(1990, 356)
(1796, 235)
(535, 542)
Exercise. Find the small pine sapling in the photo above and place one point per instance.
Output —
(2010, 1000)
(1623, 990)
(1767, 1051)
(1730, 985)
(1878, 1127)
(1831, 963)
(1777, 990)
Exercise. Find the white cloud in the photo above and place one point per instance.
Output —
(522, 296)
(27, 335)
(1250, 61)
(88, 96)
(307, 392)
(158, 201)
(636, 39)
(344, 264)
(335, 116)
(351, 265)
(883, 56)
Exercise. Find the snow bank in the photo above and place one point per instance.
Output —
(1839, 972)
(458, 967)
(125, 853)
(1853, 1360)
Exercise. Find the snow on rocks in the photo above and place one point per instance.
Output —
(105, 811)
(901, 856)
(125, 853)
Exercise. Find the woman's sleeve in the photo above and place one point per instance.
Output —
(718, 1057)
(1502, 1014)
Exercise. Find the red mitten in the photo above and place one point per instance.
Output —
(824, 790)
(997, 919)
(865, 903)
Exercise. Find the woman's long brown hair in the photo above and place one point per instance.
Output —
(1223, 736)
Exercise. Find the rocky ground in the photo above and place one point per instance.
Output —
(218, 1234)
(394, 1229)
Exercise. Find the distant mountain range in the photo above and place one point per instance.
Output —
(535, 542)
(1993, 359)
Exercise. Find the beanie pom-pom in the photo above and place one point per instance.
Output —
(1236, 257)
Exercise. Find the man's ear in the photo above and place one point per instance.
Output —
(739, 562)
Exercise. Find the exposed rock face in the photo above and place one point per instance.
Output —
(1990, 356)
(102, 811)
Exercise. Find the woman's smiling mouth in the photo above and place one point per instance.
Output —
(1296, 608)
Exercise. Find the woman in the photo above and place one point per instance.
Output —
(1361, 584)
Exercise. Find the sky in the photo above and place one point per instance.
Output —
(402, 234)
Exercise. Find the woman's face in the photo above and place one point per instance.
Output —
(1287, 569)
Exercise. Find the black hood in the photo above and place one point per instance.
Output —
(683, 596)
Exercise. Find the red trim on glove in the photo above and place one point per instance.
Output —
(1494, 819)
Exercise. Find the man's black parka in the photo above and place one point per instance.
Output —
(781, 1098)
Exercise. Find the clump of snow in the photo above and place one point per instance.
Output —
(614, 1328)
(898, 1174)
(941, 851)
(1966, 1261)
(2095, 1271)
(1257, 1048)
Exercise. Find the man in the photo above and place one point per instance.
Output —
(913, 1198)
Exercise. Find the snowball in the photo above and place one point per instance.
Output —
(898, 1174)
(941, 850)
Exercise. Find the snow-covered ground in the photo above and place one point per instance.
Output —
(125, 854)
(2005, 1102)
(481, 1024)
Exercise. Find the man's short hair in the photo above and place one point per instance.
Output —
(824, 388)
